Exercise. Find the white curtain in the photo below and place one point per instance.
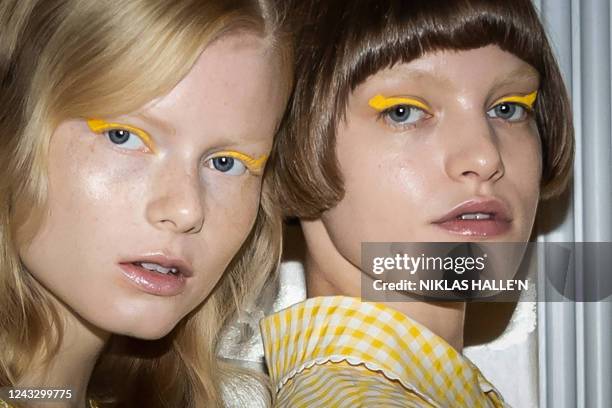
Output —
(575, 339)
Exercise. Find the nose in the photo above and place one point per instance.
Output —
(473, 153)
(176, 204)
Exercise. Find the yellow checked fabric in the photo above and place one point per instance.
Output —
(338, 352)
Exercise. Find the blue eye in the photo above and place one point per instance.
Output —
(227, 165)
(511, 112)
(125, 139)
(404, 114)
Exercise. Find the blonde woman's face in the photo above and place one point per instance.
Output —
(441, 149)
(146, 210)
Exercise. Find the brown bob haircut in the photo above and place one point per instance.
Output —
(343, 42)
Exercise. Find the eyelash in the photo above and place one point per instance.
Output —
(528, 111)
(385, 114)
(104, 128)
(242, 168)
(254, 166)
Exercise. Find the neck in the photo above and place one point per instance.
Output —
(71, 367)
(328, 273)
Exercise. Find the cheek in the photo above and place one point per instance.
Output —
(385, 169)
(231, 207)
(394, 184)
(387, 180)
(91, 216)
(231, 211)
(522, 159)
(523, 166)
(87, 198)
(87, 177)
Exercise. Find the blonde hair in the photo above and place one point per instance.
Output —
(62, 59)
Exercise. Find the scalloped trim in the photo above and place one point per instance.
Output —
(334, 358)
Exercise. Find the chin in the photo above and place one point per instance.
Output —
(151, 334)
(144, 332)
(147, 324)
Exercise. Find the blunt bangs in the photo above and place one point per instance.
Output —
(378, 35)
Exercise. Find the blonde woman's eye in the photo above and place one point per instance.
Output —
(227, 165)
(125, 139)
(508, 111)
(404, 114)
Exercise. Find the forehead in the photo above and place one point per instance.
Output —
(233, 91)
(484, 68)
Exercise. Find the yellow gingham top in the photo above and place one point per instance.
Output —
(338, 352)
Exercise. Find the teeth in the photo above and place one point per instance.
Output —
(476, 216)
(158, 268)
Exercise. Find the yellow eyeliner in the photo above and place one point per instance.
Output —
(99, 126)
(380, 103)
(525, 100)
(254, 165)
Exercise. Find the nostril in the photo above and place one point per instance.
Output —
(192, 230)
(167, 221)
(470, 173)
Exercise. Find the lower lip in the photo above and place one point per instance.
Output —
(154, 283)
(476, 228)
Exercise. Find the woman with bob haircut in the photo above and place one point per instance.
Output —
(412, 121)
(135, 217)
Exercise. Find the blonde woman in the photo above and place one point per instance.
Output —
(134, 217)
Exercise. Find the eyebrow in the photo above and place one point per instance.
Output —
(221, 138)
(166, 127)
(524, 73)
(419, 74)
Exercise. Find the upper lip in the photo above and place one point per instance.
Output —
(496, 207)
(166, 261)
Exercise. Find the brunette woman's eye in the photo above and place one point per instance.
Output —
(508, 111)
(404, 114)
(227, 165)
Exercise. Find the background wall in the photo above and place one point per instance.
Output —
(575, 339)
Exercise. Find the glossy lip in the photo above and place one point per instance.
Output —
(499, 224)
(157, 283)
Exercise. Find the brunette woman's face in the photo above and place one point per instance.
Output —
(146, 210)
(441, 149)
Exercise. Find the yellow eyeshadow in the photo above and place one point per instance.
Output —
(252, 164)
(99, 126)
(380, 103)
(525, 100)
